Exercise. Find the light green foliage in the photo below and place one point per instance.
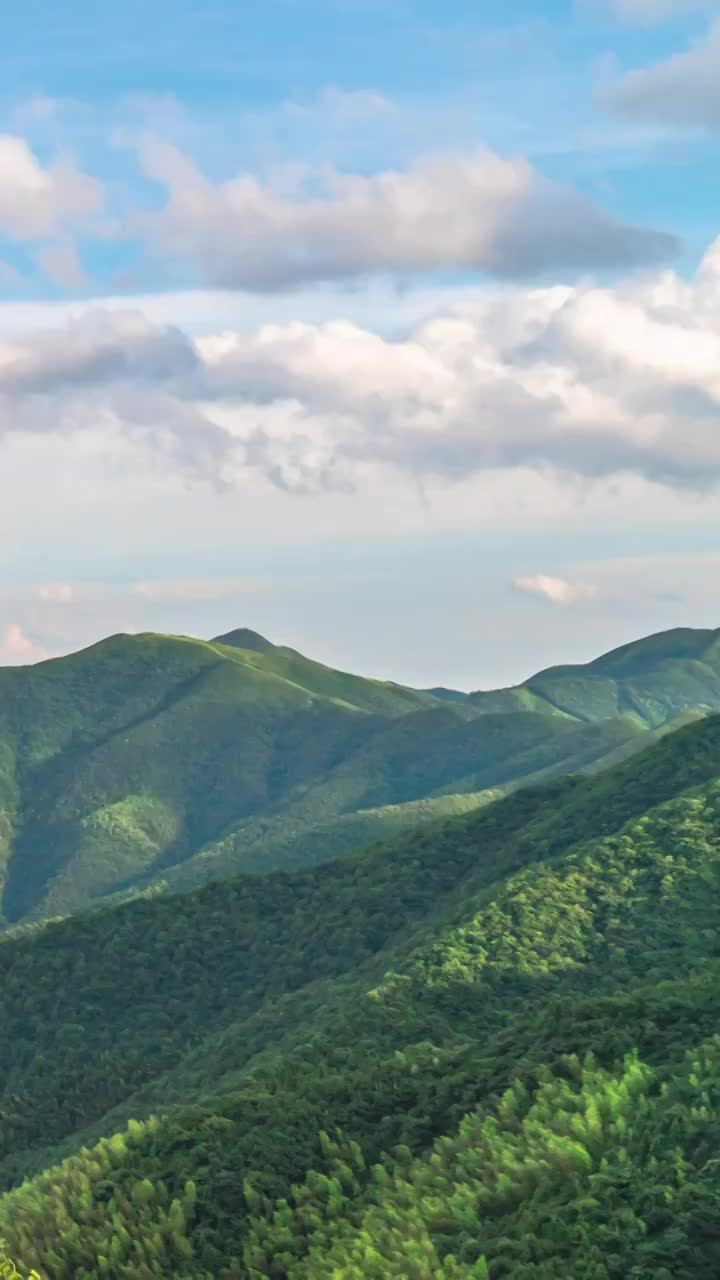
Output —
(579, 1176)
(85, 1225)
(8, 1270)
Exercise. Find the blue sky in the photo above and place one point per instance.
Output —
(248, 90)
(314, 307)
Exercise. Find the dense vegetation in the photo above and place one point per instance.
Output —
(489, 1048)
(162, 762)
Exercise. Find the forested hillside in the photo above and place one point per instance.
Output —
(652, 679)
(163, 762)
(487, 1048)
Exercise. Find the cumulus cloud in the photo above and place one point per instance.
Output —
(116, 371)
(96, 348)
(584, 380)
(683, 89)
(479, 212)
(18, 649)
(36, 202)
(556, 590)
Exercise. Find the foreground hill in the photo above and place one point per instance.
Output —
(162, 762)
(489, 1048)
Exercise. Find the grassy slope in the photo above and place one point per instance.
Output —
(388, 993)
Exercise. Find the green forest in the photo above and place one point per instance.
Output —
(160, 763)
(488, 1046)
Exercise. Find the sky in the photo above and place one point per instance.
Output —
(391, 331)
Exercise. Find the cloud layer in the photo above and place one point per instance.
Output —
(479, 212)
(467, 211)
(586, 381)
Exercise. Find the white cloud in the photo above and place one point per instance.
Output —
(115, 372)
(96, 348)
(683, 89)
(556, 590)
(36, 202)
(57, 593)
(17, 648)
(378, 305)
(478, 212)
(584, 381)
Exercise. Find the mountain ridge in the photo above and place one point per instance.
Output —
(161, 761)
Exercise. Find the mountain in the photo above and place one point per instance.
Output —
(488, 1048)
(652, 680)
(447, 695)
(160, 762)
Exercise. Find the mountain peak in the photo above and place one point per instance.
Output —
(677, 643)
(244, 638)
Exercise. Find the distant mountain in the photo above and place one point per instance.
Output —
(485, 1049)
(448, 695)
(244, 638)
(651, 680)
(163, 761)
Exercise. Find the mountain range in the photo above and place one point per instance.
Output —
(152, 763)
(486, 1048)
